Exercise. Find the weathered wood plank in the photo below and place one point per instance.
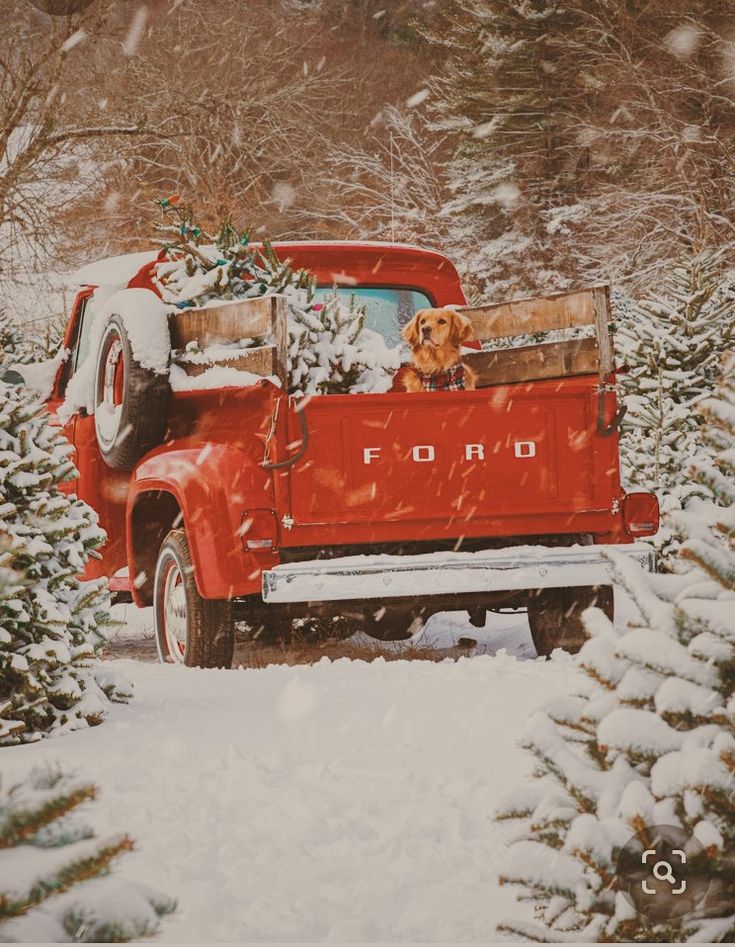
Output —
(259, 361)
(279, 331)
(538, 314)
(534, 362)
(230, 322)
(602, 329)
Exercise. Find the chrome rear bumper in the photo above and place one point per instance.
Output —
(444, 573)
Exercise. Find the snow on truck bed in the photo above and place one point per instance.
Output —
(340, 801)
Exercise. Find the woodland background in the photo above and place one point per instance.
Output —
(541, 144)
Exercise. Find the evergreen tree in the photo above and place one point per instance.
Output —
(579, 127)
(714, 469)
(7, 338)
(51, 623)
(673, 342)
(649, 739)
(328, 348)
(55, 880)
(500, 88)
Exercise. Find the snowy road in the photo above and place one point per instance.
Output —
(339, 801)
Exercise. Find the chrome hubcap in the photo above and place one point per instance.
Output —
(174, 612)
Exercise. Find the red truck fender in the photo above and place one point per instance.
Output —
(205, 489)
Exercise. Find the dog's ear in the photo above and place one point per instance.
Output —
(462, 329)
(411, 331)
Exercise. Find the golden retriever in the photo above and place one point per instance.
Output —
(435, 336)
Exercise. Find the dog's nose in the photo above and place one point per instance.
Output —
(426, 330)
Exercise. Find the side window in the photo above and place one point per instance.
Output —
(79, 345)
(84, 333)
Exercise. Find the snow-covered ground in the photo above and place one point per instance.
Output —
(346, 800)
(342, 801)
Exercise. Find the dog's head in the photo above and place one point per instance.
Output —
(436, 328)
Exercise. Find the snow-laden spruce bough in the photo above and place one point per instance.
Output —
(55, 880)
(649, 739)
(51, 623)
(673, 340)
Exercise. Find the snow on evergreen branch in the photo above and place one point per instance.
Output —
(329, 350)
(51, 623)
(56, 881)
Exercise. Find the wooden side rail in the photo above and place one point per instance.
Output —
(231, 322)
(534, 362)
(585, 307)
(266, 316)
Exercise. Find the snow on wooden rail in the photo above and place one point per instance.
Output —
(570, 310)
(263, 317)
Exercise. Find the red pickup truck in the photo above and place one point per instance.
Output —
(382, 507)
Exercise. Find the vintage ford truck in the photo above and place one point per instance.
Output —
(243, 503)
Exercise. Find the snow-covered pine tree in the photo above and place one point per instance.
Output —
(712, 550)
(500, 89)
(7, 337)
(328, 348)
(21, 346)
(55, 880)
(673, 342)
(649, 739)
(51, 623)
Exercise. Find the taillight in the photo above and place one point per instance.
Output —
(640, 514)
(259, 531)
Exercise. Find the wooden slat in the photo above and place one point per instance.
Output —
(230, 322)
(534, 362)
(260, 361)
(539, 314)
(280, 339)
(602, 330)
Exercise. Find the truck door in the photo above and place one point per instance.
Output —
(76, 337)
(104, 489)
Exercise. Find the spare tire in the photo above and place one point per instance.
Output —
(130, 402)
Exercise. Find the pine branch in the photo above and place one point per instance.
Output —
(24, 824)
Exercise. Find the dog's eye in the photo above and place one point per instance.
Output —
(442, 322)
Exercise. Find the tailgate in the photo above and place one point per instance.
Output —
(454, 458)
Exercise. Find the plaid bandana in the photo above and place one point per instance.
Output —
(453, 380)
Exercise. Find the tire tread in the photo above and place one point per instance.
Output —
(210, 638)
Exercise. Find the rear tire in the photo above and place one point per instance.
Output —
(555, 616)
(130, 402)
(190, 630)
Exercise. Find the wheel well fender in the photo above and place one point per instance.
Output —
(205, 490)
(152, 516)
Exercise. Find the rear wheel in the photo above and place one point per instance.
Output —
(555, 615)
(190, 630)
